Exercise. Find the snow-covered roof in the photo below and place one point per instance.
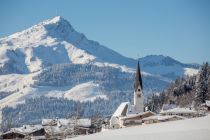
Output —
(54, 130)
(25, 129)
(137, 114)
(208, 103)
(179, 111)
(13, 131)
(37, 137)
(84, 122)
(161, 118)
(79, 122)
(60, 126)
(121, 109)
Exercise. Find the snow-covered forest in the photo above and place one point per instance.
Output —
(34, 110)
(190, 91)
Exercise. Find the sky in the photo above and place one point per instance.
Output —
(134, 28)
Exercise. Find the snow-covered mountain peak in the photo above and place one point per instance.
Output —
(55, 41)
(59, 28)
(54, 20)
(155, 60)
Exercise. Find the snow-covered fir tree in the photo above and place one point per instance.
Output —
(202, 84)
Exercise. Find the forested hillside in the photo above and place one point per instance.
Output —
(184, 91)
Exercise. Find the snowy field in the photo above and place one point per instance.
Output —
(190, 129)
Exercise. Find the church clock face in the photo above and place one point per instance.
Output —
(139, 95)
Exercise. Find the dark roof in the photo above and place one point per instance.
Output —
(138, 79)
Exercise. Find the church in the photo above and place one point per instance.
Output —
(128, 114)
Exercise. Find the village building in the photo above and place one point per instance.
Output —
(185, 112)
(160, 118)
(128, 114)
(135, 119)
(62, 128)
(25, 132)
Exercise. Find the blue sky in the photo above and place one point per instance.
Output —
(177, 28)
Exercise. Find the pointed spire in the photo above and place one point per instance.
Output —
(138, 79)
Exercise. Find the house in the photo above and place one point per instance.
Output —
(160, 118)
(185, 112)
(125, 116)
(122, 110)
(135, 119)
(62, 128)
(13, 135)
(128, 114)
(26, 131)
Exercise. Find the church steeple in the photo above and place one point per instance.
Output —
(138, 91)
(138, 79)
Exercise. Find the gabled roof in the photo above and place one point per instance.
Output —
(121, 110)
(129, 116)
(14, 131)
(25, 129)
(161, 118)
(138, 79)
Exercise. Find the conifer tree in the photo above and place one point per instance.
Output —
(201, 85)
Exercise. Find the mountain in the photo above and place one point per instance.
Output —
(166, 66)
(52, 59)
(51, 42)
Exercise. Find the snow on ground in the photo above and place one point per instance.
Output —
(21, 87)
(189, 129)
(12, 82)
(18, 85)
(85, 92)
(123, 68)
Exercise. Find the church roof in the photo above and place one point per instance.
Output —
(138, 79)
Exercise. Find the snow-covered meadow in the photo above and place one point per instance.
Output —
(189, 129)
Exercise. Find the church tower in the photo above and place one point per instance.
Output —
(138, 92)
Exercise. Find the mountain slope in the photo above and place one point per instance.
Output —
(167, 67)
